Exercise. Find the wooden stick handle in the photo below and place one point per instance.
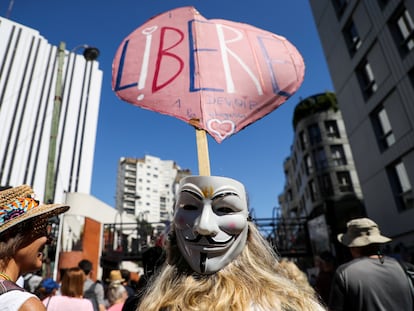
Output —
(202, 151)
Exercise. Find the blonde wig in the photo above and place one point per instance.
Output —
(252, 281)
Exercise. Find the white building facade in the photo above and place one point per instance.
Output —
(28, 73)
(146, 187)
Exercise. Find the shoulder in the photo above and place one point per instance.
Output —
(16, 299)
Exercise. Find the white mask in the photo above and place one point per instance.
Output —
(210, 221)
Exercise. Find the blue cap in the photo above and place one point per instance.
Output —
(49, 285)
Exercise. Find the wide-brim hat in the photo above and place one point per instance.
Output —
(361, 232)
(18, 206)
(115, 276)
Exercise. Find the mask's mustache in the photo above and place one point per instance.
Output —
(198, 237)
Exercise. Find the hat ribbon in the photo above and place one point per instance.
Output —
(16, 208)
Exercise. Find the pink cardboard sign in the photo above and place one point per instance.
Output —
(225, 75)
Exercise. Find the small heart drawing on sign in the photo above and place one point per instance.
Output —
(221, 128)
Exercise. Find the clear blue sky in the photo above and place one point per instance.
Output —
(253, 156)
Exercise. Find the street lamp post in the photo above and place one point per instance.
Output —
(90, 54)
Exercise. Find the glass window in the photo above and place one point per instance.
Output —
(308, 165)
(340, 6)
(314, 134)
(302, 140)
(313, 191)
(338, 155)
(353, 40)
(325, 185)
(331, 128)
(401, 186)
(320, 158)
(344, 181)
(406, 27)
(366, 79)
(382, 128)
(402, 28)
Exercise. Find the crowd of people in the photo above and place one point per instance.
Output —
(214, 259)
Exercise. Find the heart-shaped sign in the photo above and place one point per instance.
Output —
(223, 75)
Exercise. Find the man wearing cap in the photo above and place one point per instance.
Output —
(371, 281)
(23, 236)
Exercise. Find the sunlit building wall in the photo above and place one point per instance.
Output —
(28, 72)
(369, 48)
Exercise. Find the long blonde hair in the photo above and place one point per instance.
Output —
(251, 282)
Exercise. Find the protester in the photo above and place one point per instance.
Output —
(126, 275)
(116, 294)
(152, 260)
(323, 282)
(47, 288)
(71, 298)
(370, 281)
(216, 257)
(92, 290)
(23, 236)
(115, 276)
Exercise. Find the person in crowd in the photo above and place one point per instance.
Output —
(47, 288)
(126, 275)
(23, 236)
(92, 290)
(326, 262)
(152, 260)
(71, 298)
(32, 281)
(370, 281)
(216, 257)
(116, 294)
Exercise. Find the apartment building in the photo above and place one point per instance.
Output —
(321, 182)
(146, 187)
(369, 48)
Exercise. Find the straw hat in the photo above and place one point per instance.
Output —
(362, 232)
(17, 206)
(115, 277)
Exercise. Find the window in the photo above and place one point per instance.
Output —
(402, 27)
(401, 186)
(411, 75)
(352, 37)
(308, 165)
(325, 185)
(302, 140)
(383, 3)
(338, 155)
(366, 79)
(382, 128)
(340, 6)
(313, 191)
(344, 181)
(331, 128)
(320, 158)
(314, 134)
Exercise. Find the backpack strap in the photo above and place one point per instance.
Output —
(6, 286)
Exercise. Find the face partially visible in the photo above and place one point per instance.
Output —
(29, 256)
(210, 221)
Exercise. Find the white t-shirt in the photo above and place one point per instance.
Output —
(13, 300)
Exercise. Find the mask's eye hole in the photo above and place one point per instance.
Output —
(189, 207)
(224, 210)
